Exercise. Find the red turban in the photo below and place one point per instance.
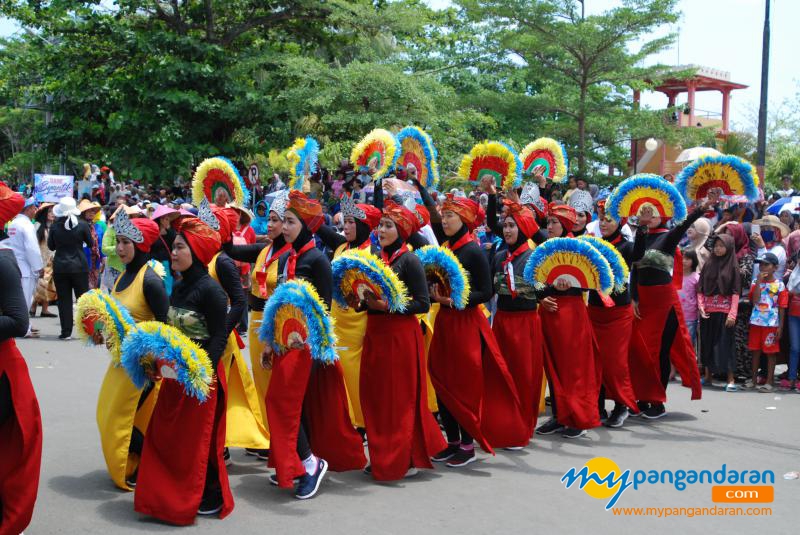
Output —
(11, 204)
(372, 215)
(423, 215)
(469, 211)
(404, 219)
(308, 210)
(202, 239)
(522, 216)
(228, 221)
(565, 214)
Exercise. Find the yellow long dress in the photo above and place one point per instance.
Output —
(244, 420)
(117, 412)
(350, 327)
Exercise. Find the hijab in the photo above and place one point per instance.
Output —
(702, 228)
(720, 274)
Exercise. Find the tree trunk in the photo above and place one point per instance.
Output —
(582, 133)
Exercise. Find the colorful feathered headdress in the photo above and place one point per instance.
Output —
(218, 173)
(295, 313)
(99, 312)
(548, 153)
(493, 159)
(377, 150)
(416, 149)
(357, 271)
(645, 189)
(443, 268)
(575, 261)
(155, 349)
(734, 175)
(615, 259)
(303, 157)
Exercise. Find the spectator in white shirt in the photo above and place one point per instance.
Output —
(23, 242)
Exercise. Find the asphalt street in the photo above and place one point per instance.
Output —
(512, 492)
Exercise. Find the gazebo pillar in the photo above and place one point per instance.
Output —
(726, 106)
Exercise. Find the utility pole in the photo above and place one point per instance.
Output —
(762, 108)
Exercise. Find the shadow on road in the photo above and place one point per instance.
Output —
(96, 486)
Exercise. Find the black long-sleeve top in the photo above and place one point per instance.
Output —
(314, 267)
(625, 248)
(409, 270)
(14, 316)
(473, 259)
(198, 292)
(68, 246)
(664, 244)
(152, 286)
(229, 279)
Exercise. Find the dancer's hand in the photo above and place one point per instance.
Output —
(266, 357)
(636, 312)
(374, 303)
(550, 304)
(562, 285)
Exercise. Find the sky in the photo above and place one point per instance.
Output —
(722, 34)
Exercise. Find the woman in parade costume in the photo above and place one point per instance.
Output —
(264, 279)
(123, 411)
(351, 325)
(20, 421)
(477, 396)
(307, 402)
(182, 472)
(493, 222)
(657, 308)
(569, 354)
(613, 330)
(45, 288)
(403, 434)
(516, 325)
(244, 421)
(582, 202)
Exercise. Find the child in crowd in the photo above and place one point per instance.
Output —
(770, 299)
(718, 300)
(688, 292)
(793, 323)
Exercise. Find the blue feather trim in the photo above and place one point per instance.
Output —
(309, 156)
(611, 254)
(519, 171)
(343, 263)
(431, 154)
(246, 199)
(649, 181)
(160, 344)
(742, 167)
(321, 339)
(124, 322)
(432, 256)
(568, 245)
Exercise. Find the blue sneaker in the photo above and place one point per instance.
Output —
(309, 485)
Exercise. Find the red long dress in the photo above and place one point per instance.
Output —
(20, 444)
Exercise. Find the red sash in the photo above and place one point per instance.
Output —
(291, 262)
(509, 282)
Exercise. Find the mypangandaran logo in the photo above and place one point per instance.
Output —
(602, 478)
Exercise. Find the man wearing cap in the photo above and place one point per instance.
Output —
(23, 242)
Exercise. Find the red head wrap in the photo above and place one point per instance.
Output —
(565, 214)
(372, 215)
(228, 221)
(11, 204)
(522, 216)
(150, 232)
(469, 211)
(404, 219)
(308, 210)
(202, 239)
(423, 215)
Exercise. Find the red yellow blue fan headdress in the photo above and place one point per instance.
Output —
(157, 349)
(358, 270)
(734, 175)
(615, 259)
(218, 173)
(303, 157)
(443, 268)
(645, 189)
(295, 313)
(548, 153)
(100, 313)
(377, 150)
(494, 159)
(575, 261)
(416, 148)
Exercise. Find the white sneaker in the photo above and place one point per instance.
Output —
(748, 384)
(411, 472)
(731, 387)
(765, 389)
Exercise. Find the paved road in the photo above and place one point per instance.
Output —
(514, 492)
